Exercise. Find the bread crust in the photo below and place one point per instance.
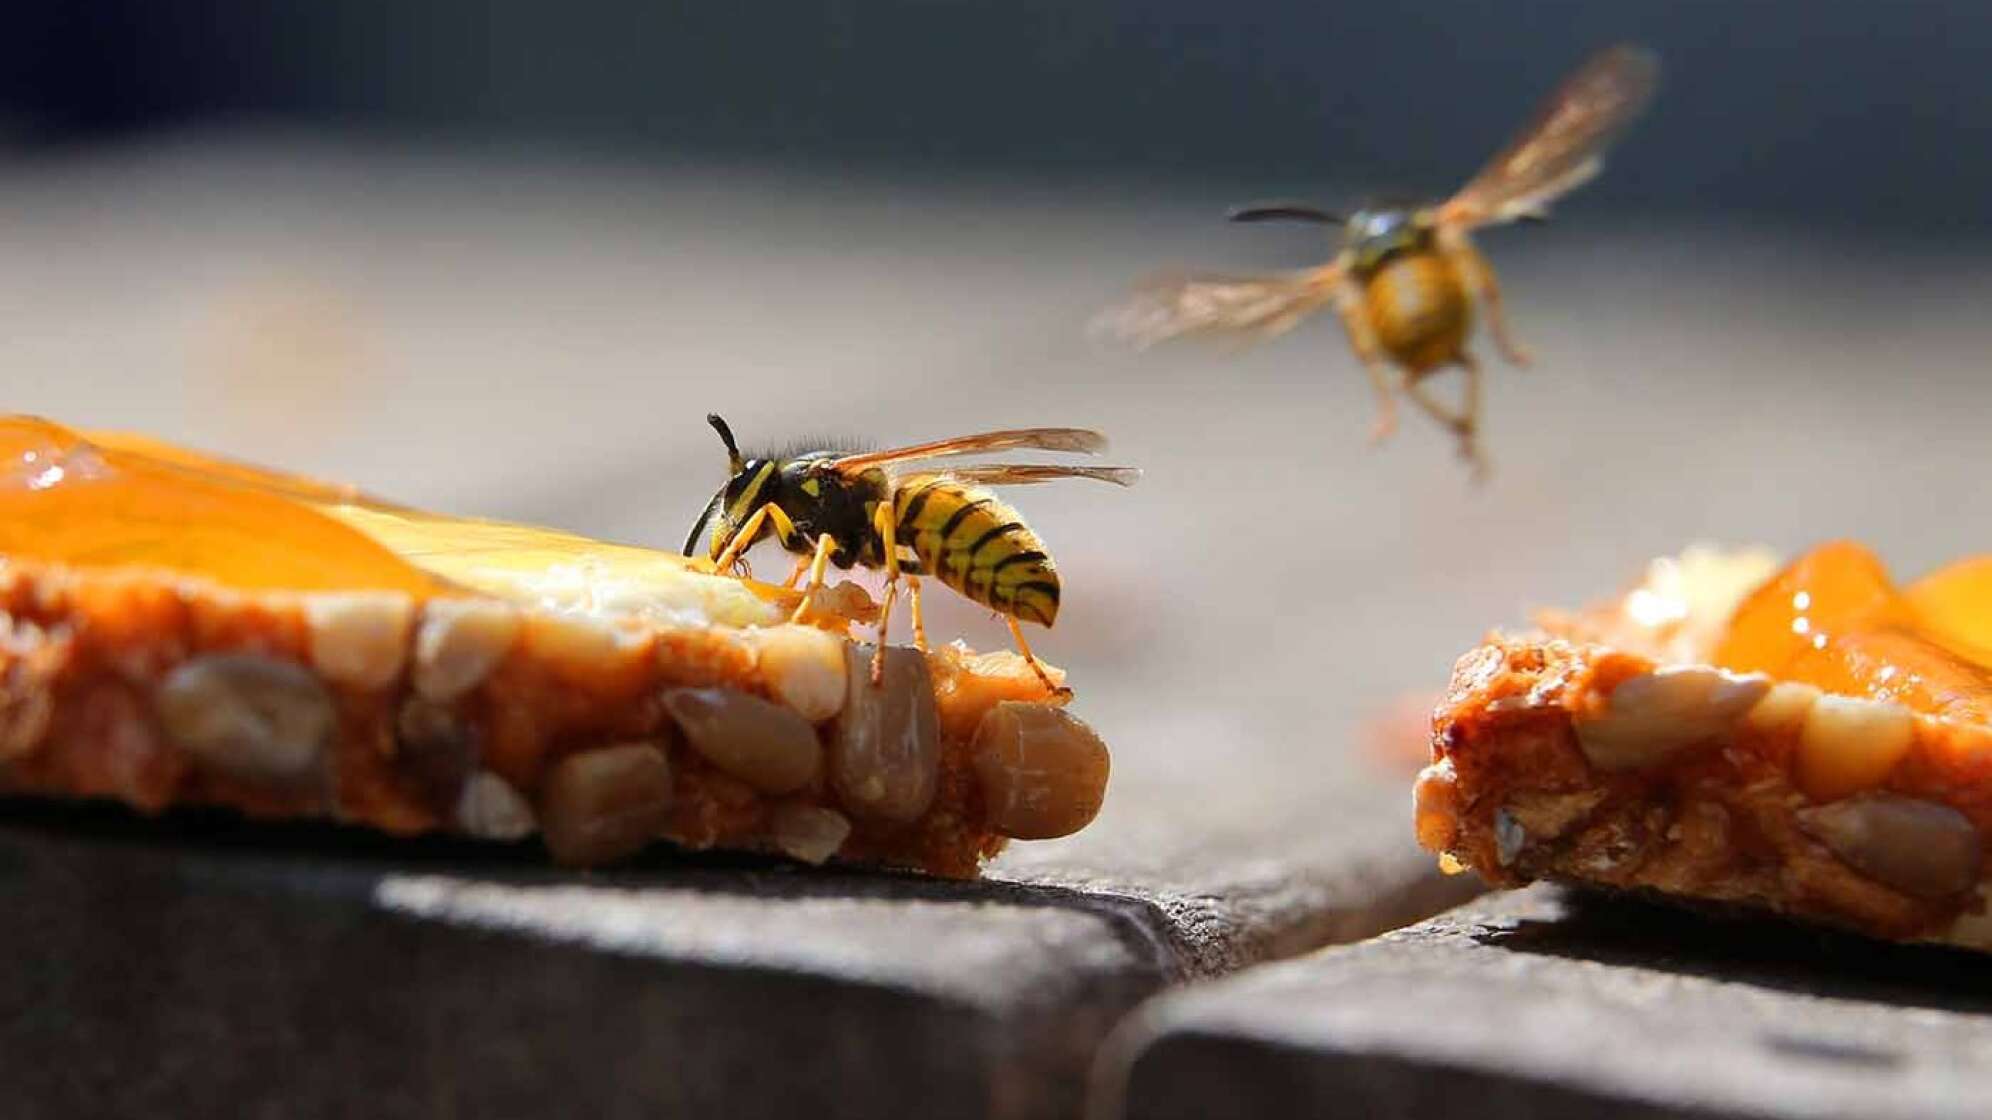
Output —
(395, 713)
(1583, 762)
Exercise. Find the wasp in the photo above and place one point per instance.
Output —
(868, 508)
(1407, 276)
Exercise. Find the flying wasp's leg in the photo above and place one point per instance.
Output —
(825, 546)
(1479, 278)
(1463, 423)
(1024, 647)
(751, 528)
(882, 522)
(1470, 447)
(1354, 309)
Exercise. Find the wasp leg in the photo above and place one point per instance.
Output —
(1024, 647)
(1465, 423)
(919, 619)
(912, 568)
(882, 523)
(825, 546)
(1354, 310)
(1479, 278)
(751, 528)
(795, 573)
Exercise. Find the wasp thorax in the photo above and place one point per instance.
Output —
(1375, 234)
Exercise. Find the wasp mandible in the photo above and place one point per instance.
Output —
(866, 508)
(1407, 275)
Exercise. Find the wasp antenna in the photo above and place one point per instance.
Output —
(1284, 212)
(733, 459)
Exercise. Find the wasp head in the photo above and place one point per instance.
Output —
(750, 484)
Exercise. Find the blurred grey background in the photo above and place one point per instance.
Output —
(502, 258)
(1854, 117)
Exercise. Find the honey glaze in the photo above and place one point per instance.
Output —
(104, 499)
(1833, 618)
(73, 500)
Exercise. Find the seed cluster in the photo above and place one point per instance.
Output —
(1555, 759)
(475, 716)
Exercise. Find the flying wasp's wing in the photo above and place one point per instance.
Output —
(1082, 440)
(1563, 145)
(1025, 474)
(1252, 307)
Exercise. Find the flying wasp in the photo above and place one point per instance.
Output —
(1407, 276)
(867, 508)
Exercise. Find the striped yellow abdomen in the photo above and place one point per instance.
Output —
(1419, 310)
(970, 540)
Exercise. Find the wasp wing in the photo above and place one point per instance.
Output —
(1563, 145)
(1025, 474)
(1080, 440)
(1251, 307)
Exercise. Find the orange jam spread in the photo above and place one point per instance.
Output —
(1834, 619)
(116, 501)
(103, 499)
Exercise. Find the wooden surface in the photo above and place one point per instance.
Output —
(1538, 1003)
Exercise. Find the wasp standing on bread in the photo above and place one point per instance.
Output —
(1407, 275)
(865, 508)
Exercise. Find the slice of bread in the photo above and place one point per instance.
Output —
(1609, 752)
(488, 679)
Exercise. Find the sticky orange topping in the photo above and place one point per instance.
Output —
(1955, 604)
(127, 501)
(114, 499)
(1834, 619)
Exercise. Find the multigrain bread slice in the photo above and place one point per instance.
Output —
(1605, 750)
(482, 678)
